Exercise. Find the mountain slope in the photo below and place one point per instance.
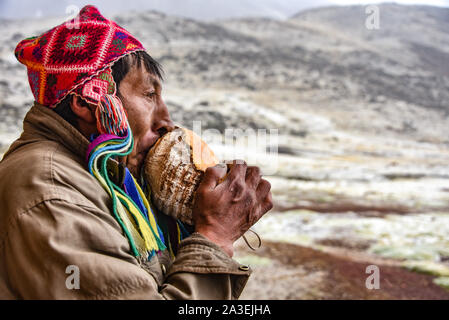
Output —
(323, 60)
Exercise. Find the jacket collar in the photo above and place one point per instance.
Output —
(42, 123)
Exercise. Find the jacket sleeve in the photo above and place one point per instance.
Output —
(61, 250)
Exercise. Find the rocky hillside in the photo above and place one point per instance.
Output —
(324, 58)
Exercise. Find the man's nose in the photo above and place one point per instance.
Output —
(163, 121)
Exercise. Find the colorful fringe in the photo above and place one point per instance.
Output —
(116, 140)
(172, 229)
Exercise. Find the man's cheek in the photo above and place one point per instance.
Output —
(140, 114)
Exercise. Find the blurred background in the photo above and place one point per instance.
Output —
(359, 95)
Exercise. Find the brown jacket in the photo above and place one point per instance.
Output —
(54, 214)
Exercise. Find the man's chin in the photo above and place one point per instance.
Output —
(136, 169)
(139, 159)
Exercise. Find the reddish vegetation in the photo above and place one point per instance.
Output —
(344, 207)
(345, 279)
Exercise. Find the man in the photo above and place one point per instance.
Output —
(59, 238)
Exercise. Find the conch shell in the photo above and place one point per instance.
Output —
(173, 170)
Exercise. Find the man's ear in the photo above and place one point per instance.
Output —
(83, 110)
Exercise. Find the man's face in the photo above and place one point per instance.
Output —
(141, 94)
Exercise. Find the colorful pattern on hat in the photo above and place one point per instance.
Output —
(75, 57)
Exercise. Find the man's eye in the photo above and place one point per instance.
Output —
(151, 94)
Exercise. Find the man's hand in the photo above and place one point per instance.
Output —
(223, 212)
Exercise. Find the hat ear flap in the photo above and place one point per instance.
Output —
(111, 116)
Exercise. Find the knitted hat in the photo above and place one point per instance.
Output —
(75, 57)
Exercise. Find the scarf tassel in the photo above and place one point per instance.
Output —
(116, 139)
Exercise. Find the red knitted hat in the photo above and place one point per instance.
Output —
(75, 57)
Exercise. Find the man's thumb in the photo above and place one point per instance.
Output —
(214, 175)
